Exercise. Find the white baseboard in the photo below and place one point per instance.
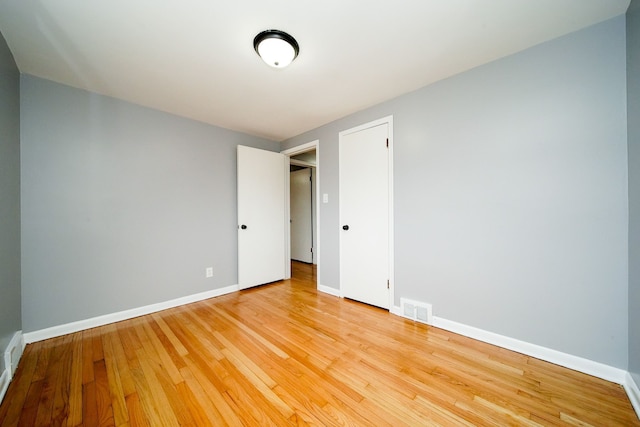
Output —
(397, 310)
(576, 363)
(329, 290)
(633, 392)
(12, 356)
(56, 331)
(597, 369)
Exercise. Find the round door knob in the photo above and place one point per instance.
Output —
(244, 227)
(345, 227)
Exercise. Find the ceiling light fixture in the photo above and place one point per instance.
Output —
(277, 48)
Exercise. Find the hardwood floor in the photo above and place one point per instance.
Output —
(283, 354)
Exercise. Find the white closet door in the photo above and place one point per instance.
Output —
(364, 215)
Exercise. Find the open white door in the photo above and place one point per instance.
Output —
(261, 216)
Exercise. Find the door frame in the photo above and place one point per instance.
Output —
(388, 120)
(290, 152)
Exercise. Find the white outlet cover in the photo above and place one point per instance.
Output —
(209, 272)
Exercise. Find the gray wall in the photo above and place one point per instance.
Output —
(511, 195)
(10, 317)
(122, 206)
(633, 111)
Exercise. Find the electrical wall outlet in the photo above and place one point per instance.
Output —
(209, 272)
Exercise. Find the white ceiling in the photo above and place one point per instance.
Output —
(195, 58)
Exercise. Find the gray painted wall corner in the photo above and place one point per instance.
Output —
(123, 206)
(633, 111)
(511, 194)
(10, 287)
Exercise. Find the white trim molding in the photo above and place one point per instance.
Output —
(586, 366)
(302, 148)
(56, 331)
(633, 392)
(576, 363)
(329, 290)
(12, 356)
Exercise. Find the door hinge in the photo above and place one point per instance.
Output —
(387, 283)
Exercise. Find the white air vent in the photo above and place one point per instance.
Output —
(423, 314)
(13, 353)
(409, 310)
(415, 310)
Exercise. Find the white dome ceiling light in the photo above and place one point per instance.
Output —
(277, 48)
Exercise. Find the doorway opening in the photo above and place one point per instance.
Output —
(302, 207)
(303, 162)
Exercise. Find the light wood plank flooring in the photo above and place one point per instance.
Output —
(283, 354)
